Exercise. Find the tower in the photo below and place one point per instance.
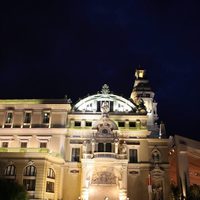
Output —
(142, 92)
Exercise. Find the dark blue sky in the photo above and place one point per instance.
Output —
(51, 48)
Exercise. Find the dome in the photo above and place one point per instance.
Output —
(93, 103)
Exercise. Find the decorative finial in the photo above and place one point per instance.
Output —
(105, 89)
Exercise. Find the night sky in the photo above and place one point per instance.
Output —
(50, 49)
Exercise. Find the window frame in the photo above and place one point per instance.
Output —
(8, 123)
(27, 124)
(129, 160)
(76, 157)
(10, 171)
(46, 113)
(29, 177)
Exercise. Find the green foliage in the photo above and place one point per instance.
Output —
(175, 192)
(12, 191)
(194, 192)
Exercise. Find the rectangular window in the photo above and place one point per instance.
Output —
(132, 124)
(27, 117)
(133, 156)
(46, 118)
(75, 156)
(88, 124)
(50, 187)
(77, 123)
(23, 144)
(121, 124)
(43, 145)
(29, 184)
(9, 118)
(5, 144)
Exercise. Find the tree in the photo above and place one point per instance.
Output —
(175, 192)
(10, 190)
(194, 192)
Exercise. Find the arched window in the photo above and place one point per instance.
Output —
(30, 171)
(29, 179)
(50, 180)
(10, 170)
(51, 173)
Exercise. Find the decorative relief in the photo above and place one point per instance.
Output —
(103, 178)
(30, 162)
(156, 155)
(157, 172)
(123, 148)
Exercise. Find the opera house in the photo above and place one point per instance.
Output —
(103, 147)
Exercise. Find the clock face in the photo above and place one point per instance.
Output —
(104, 132)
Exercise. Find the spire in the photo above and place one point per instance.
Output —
(140, 74)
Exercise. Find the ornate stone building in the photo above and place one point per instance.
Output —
(103, 147)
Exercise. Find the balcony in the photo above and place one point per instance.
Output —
(104, 155)
(30, 150)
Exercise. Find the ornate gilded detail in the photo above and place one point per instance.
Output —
(103, 178)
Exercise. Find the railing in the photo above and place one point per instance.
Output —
(104, 155)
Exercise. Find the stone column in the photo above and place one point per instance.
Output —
(84, 186)
(116, 147)
(123, 188)
(93, 146)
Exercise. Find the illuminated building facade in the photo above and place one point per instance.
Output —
(103, 147)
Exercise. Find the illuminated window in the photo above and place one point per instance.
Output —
(75, 156)
(133, 158)
(9, 117)
(10, 170)
(46, 117)
(29, 178)
(23, 144)
(5, 144)
(8, 120)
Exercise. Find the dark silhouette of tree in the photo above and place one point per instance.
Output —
(194, 192)
(11, 190)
